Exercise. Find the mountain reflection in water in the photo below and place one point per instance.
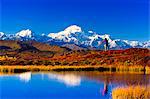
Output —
(74, 78)
(26, 77)
(67, 84)
(67, 79)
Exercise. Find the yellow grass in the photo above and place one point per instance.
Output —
(147, 70)
(3, 58)
(119, 69)
(131, 92)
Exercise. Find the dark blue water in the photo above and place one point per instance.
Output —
(66, 85)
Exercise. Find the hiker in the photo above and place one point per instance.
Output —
(106, 44)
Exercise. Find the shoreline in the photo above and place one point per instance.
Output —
(34, 68)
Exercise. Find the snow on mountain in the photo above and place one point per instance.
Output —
(120, 44)
(133, 44)
(107, 37)
(2, 35)
(74, 35)
(90, 31)
(24, 33)
(146, 44)
(113, 44)
(95, 40)
(66, 34)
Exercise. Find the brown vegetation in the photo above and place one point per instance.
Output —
(35, 53)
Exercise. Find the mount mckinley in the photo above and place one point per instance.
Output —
(74, 37)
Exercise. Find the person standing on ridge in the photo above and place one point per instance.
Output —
(106, 44)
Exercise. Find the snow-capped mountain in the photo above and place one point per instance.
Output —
(133, 43)
(68, 35)
(22, 35)
(2, 35)
(74, 35)
(146, 44)
(25, 34)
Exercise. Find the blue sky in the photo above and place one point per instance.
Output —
(125, 19)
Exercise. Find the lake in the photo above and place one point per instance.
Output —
(66, 85)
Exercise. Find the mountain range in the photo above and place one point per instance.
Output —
(74, 37)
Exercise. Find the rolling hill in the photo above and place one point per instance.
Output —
(37, 53)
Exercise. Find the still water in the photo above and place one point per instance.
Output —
(66, 85)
